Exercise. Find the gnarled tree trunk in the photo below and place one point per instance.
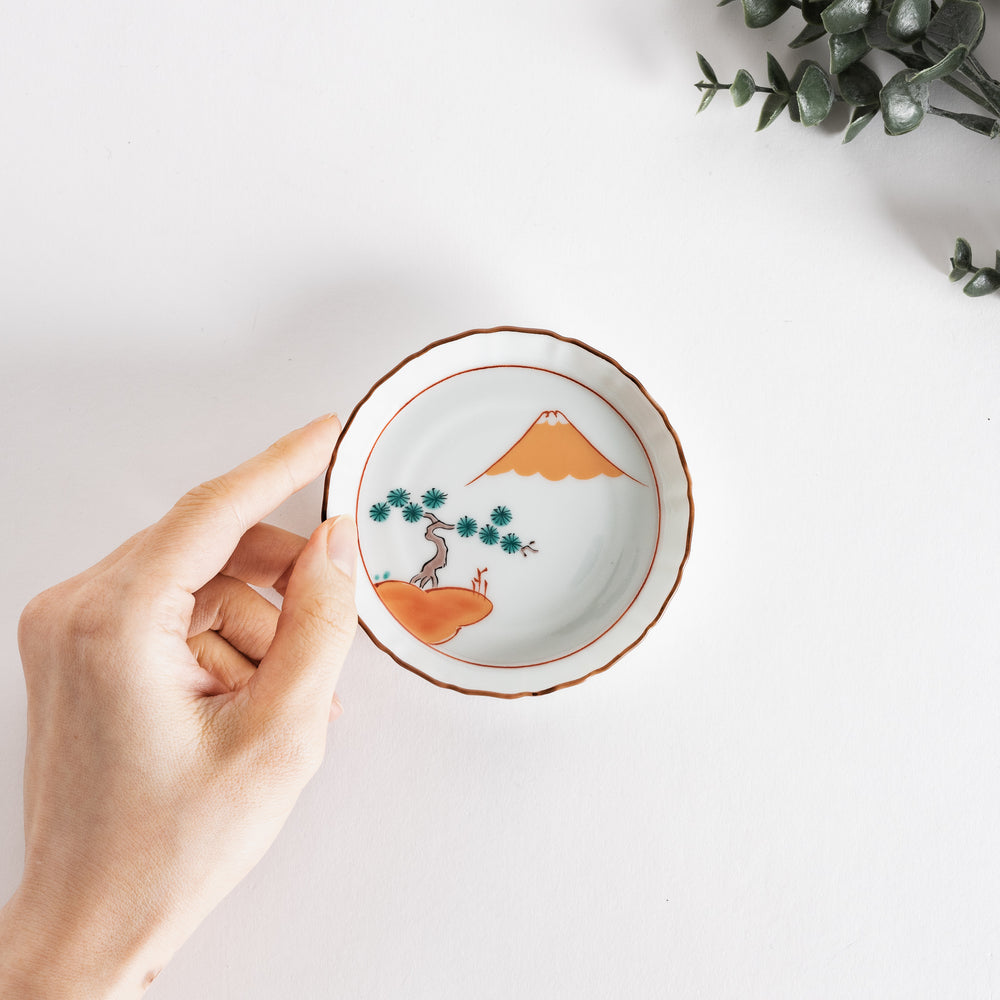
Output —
(429, 571)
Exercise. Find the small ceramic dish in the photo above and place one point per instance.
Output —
(524, 511)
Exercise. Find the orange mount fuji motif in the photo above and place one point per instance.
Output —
(552, 447)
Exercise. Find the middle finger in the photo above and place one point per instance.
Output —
(265, 556)
(244, 618)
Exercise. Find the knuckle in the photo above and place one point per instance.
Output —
(65, 609)
(73, 622)
(88, 615)
(37, 618)
(211, 491)
(212, 496)
(330, 621)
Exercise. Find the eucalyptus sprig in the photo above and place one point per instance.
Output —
(935, 42)
(984, 280)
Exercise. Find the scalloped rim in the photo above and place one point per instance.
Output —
(680, 453)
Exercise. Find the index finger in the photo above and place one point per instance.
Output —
(193, 541)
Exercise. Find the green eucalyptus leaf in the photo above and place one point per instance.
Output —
(724, 3)
(843, 16)
(961, 263)
(743, 88)
(759, 13)
(706, 99)
(963, 254)
(771, 111)
(904, 103)
(908, 20)
(793, 106)
(814, 95)
(985, 281)
(810, 33)
(860, 117)
(859, 85)
(847, 49)
(812, 11)
(912, 59)
(947, 65)
(706, 69)
(776, 76)
(877, 33)
(957, 22)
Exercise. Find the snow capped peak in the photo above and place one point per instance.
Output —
(554, 448)
(552, 417)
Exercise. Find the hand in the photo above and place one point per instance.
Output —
(173, 718)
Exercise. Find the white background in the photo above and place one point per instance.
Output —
(221, 219)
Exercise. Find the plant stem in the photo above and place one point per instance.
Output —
(966, 121)
(705, 85)
(979, 68)
(973, 71)
(969, 93)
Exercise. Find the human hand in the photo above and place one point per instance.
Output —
(173, 718)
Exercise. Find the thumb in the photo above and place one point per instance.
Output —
(318, 620)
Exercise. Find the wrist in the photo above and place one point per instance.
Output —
(51, 952)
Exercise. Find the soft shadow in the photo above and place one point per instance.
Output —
(310, 350)
(933, 226)
(12, 741)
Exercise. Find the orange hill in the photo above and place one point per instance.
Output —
(553, 447)
(433, 616)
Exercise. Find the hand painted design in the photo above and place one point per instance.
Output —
(428, 575)
(510, 544)
(552, 447)
(379, 512)
(434, 499)
(501, 516)
(429, 611)
(413, 512)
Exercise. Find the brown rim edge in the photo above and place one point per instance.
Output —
(680, 454)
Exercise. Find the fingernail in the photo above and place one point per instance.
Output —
(326, 416)
(342, 545)
(336, 708)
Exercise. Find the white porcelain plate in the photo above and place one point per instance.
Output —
(524, 511)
